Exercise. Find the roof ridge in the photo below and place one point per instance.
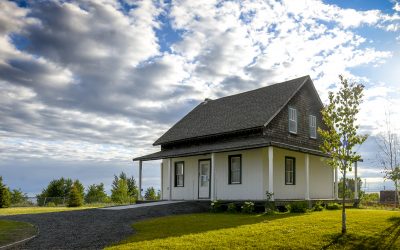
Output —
(257, 89)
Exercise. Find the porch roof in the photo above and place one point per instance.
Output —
(224, 146)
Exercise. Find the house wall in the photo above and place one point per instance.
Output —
(254, 177)
(321, 181)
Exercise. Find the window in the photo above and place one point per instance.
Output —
(313, 126)
(179, 174)
(235, 169)
(293, 120)
(290, 171)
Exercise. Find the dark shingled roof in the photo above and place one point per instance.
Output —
(234, 113)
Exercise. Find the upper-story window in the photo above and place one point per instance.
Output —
(292, 120)
(313, 126)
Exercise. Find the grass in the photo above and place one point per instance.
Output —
(38, 210)
(12, 231)
(367, 229)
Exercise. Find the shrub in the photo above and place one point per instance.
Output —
(216, 206)
(269, 206)
(283, 209)
(318, 206)
(75, 198)
(232, 208)
(333, 206)
(150, 194)
(248, 207)
(18, 197)
(95, 194)
(5, 196)
(298, 207)
(51, 204)
(119, 192)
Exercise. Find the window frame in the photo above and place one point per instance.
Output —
(294, 120)
(293, 171)
(176, 175)
(230, 169)
(312, 128)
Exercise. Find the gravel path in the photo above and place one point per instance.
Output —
(94, 228)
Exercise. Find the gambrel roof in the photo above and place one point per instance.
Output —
(228, 114)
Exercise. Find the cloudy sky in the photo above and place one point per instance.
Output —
(87, 85)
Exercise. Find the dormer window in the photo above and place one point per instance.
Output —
(292, 120)
(313, 126)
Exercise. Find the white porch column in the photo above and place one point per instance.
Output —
(213, 196)
(355, 182)
(162, 186)
(336, 184)
(307, 167)
(271, 171)
(140, 180)
(170, 178)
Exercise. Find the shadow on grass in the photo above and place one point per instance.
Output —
(175, 226)
(386, 239)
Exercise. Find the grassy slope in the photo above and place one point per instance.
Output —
(37, 210)
(377, 229)
(11, 231)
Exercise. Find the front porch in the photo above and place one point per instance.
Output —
(262, 170)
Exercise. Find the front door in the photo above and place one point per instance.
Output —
(204, 179)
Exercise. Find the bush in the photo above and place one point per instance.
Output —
(51, 204)
(333, 206)
(283, 209)
(232, 208)
(5, 196)
(96, 194)
(269, 206)
(18, 197)
(58, 190)
(75, 198)
(248, 207)
(150, 194)
(216, 206)
(318, 206)
(298, 207)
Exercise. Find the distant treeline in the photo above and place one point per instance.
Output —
(72, 193)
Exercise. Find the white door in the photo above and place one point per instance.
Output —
(204, 179)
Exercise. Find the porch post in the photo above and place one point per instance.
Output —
(355, 183)
(170, 179)
(271, 171)
(336, 184)
(212, 191)
(140, 180)
(307, 167)
(162, 177)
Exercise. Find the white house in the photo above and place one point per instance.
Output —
(241, 146)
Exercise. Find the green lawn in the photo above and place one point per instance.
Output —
(377, 229)
(38, 210)
(12, 231)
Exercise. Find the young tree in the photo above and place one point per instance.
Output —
(133, 190)
(58, 190)
(5, 197)
(18, 197)
(119, 191)
(389, 154)
(350, 188)
(340, 134)
(75, 197)
(150, 194)
(96, 193)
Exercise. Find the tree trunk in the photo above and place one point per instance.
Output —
(343, 203)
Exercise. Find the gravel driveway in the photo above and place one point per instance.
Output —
(94, 228)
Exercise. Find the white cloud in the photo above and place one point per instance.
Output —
(92, 77)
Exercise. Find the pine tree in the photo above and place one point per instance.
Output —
(5, 196)
(75, 198)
